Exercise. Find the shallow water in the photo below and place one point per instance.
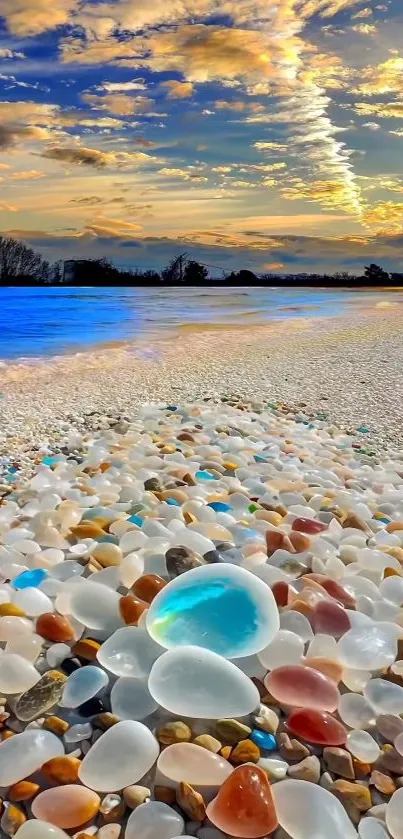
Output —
(48, 321)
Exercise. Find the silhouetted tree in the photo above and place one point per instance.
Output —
(18, 262)
(195, 273)
(171, 274)
(242, 277)
(374, 274)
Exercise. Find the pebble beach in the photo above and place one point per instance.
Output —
(201, 614)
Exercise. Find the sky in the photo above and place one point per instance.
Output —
(259, 134)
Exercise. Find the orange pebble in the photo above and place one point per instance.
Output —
(148, 586)
(22, 791)
(54, 628)
(62, 770)
(131, 608)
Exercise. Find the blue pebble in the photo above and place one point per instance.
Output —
(29, 579)
(172, 502)
(136, 520)
(264, 740)
(202, 475)
(109, 538)
(259, 458)
(219, 506)
(51, 460)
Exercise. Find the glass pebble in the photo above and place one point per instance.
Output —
(131, 699)
(315, 812)
(363, 746)
(286, 648)
(129, 652)
(385, 697)
(23, 754)
(82, 685)
(30, 579)
(120, 757)
(154, 820)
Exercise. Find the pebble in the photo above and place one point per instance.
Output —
(247, 608)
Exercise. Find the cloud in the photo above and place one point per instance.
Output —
(365, 28)
(386, 214)
(329, 193)
(393, 110)
(239, 106)
(145, 143)
(386, 77)
(82, 156)
(7, 53)
(32, 17)
(11, 137)
(372, 126)
(119, 103)
(263, 145)
(103, 226)
(182, 174)
(29, 175)
(178, 90)
(7, 208)
(364, 13)
(122, 87)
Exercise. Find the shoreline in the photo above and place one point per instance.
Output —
(350, 367)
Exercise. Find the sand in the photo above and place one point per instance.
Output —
(350, 367)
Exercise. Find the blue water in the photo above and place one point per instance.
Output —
(52, 321)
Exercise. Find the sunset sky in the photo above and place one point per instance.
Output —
(265, 134)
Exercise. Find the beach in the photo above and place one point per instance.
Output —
(350, 367)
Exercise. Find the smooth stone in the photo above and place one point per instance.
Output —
(174, 732)
(16, 674)
(363, 746)
(367, 648)
(67, 806)
(302, 687)
(394, 815)
(355, 711)
(131, 609)
(131, 699)
(96, 606)
(36, 829)
(298, 623)
(244, 619)
(54, 627)
(33, 601)
(120, 757)
(389, 726)
(317, 727)
(306, 770)
(27, 646)
(286, 648)
(244, 804)
(23, 754)
(384, 696)
(148, 586)
(195, 682)
(275, 768)
(308, 811)
(399, 743)
(154, 820)
(82, 685)
(129, 652)
(200, 766)
(56, 654)
(329, 618)
(29, 579)
(41, 697)
(180, 560)
(12, 626)
(371, 828)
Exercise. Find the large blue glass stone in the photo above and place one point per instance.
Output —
(221, 607)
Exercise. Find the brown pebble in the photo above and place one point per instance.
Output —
(54, 628)
(225, 752)
(86, 648)
(23, 791)
(361, 769)
(246, 751)
(383, 783)
(355, 797)
(291, 749)
(105, 720)
(277, 540)
(165, 794)
(56, 725)
(148, 586)
(340, 762)
(115, 815)
(191, 802)
(135, 795)
(5, 735)
(300, 541)
(174, 732)
(355, 521)
(131, 608)
(391, 760)
(231, 731)
(62, 770)
(307, 770)
(87, 530)
(11, 610)
(207, 741)
(12, 819)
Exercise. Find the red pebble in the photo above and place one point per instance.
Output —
(329, 618)
(280, 593)
(308, 526)
(317, 727)
(333, 589)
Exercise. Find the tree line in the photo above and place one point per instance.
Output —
(21, 265)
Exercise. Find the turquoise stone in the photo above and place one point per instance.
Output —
(52, 460)
(219, 506)
(30, 579)
(221, 607)
(173, 502)
(136, 520)
(202, 475)
(264, 740)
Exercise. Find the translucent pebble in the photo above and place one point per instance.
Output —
(303, 687)
(323, 646)
(67, 569)
(367, 648)
(95, 606)
(16, 674)
(33, 601)
(82, 685)
(308, 811)
(201, 767)
(66, 806)
(13, 627)
(27, 646)
(371, 828)
(56, 654)
(154, 820)
(36, 829)
(23, 754)
(394, 815)
(384, 696)
(355, 680)
(195, 682)
(296, 622)
(392, 589)
(131, 699)
(130, 569)
(389, 726)
(243, 621)
(356, 711)
(399, 743)
(132, 540)
(363, 746)
(129, 652)
(79, 732)
(286, 648)
(120, 757)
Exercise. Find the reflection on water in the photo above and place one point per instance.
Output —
(49, 321)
